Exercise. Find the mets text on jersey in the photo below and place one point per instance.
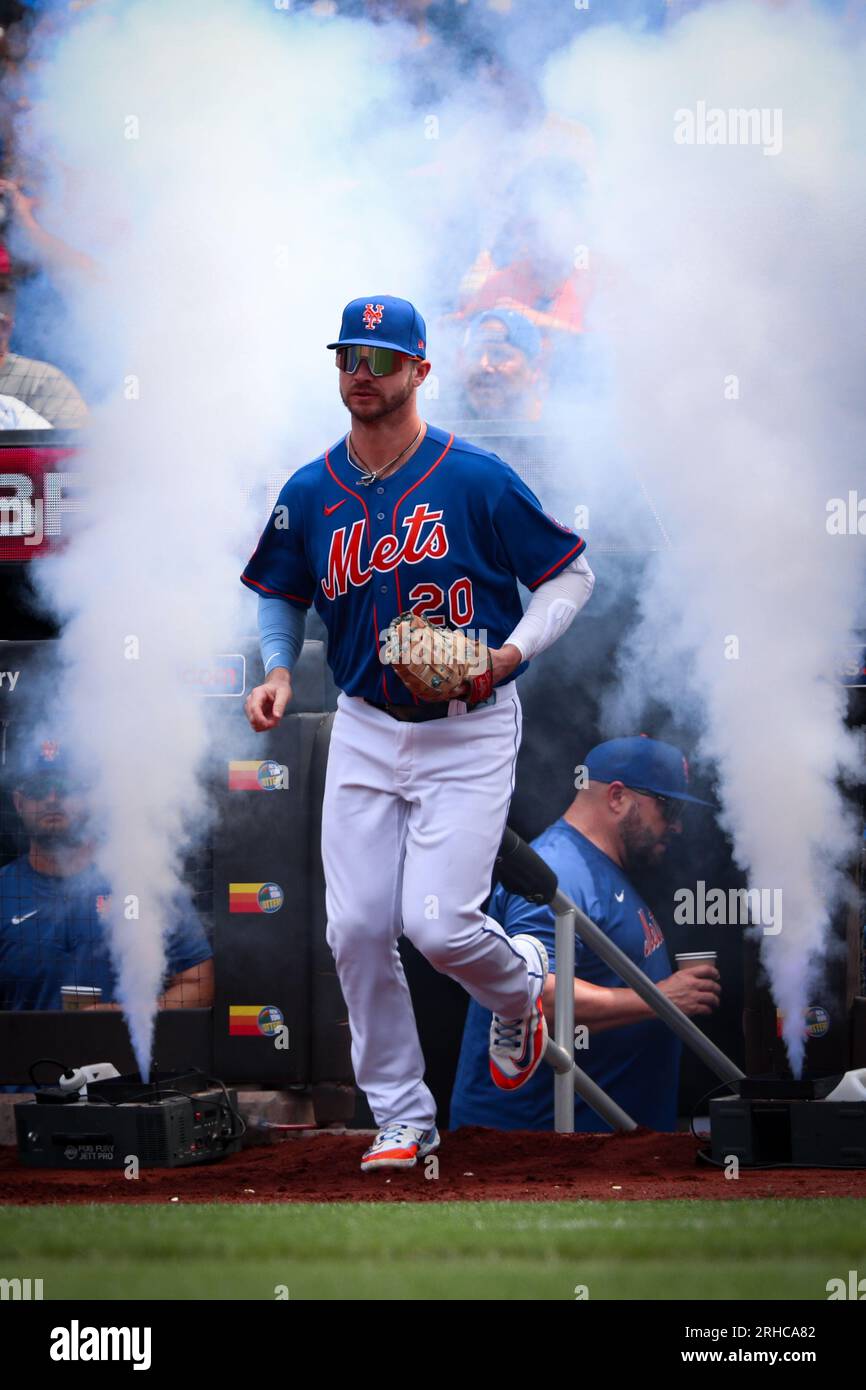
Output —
(345, 565)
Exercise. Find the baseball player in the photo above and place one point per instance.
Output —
(401, 529)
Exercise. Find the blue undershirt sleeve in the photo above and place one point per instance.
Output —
(281, 632)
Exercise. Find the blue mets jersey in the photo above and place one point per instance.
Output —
(448, 536)
(638, 1065)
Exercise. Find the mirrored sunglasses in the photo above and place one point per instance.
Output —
(381, 361)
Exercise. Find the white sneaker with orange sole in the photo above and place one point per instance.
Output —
(399, 1146)
(517, 1044)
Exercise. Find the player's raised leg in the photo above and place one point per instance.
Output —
(462, 780)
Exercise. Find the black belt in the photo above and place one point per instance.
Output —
(419, 714)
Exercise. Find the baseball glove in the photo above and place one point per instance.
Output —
(438, 663)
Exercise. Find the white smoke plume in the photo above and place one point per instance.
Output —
(238, 174)
(232, 207)
(735, 276)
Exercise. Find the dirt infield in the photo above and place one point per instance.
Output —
(474, 1164)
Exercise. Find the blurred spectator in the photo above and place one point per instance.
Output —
(520, 273)
(536, 262)
(501, 364)
(30, 240)
(45, 389)
(410, 11)
(16, 23)
(53, 901)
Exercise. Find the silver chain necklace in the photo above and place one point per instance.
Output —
(367, 474)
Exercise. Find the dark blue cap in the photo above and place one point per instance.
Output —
(41, 758)
(383, 321)
(39, 755)
(644, 764)
(519, 330)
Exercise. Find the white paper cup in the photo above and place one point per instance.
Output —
(79, 996)
(687, 960)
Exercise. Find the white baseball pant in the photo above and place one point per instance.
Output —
(412, 819)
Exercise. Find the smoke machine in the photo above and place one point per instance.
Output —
(779, 1122)
(95, 1118)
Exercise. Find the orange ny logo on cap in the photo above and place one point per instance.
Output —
(373, 315)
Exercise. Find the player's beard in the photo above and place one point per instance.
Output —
(494, 400)
(642, 847)
(377, 407)
(59, 832)
(62, 837)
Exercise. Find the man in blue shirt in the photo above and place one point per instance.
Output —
(53, 902)
(623, 818)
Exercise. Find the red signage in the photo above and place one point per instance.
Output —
(37, 491)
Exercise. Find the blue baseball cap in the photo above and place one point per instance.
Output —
(45, 761)
(383, 321)
(519, 330)
(644, 764)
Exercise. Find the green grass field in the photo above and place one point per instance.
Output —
(456, 1250)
